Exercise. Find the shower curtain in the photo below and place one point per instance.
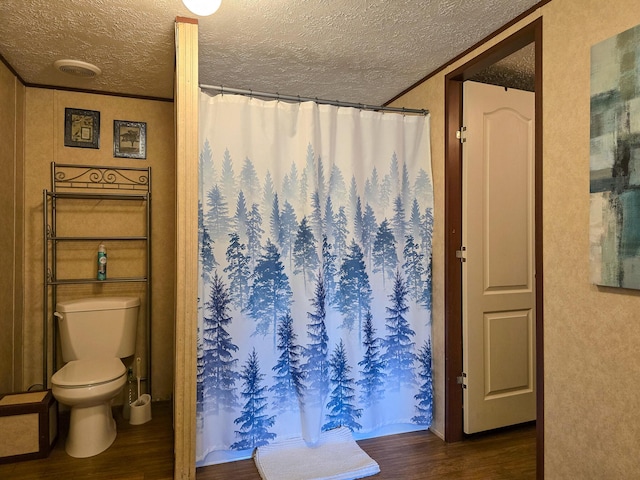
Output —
(315, 230)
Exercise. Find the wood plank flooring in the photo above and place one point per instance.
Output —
(508, 454)
(140, 452)
(145, 452)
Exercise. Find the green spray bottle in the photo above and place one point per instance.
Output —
(102, 262)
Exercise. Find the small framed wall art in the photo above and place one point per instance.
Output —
(129, 139)
(81, 128)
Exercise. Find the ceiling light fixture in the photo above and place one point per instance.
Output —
(202, 8)
(77, 68)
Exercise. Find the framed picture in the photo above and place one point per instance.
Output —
(129, 139)
(81, 128)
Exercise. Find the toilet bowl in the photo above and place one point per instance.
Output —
(95, 334)
(88, 386)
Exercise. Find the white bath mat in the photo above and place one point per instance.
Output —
(335, 457)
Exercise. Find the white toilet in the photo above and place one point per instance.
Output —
(95, 333)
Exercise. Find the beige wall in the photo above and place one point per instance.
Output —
(12, 95)
(430, 96)
(44, 143)
(591, 334)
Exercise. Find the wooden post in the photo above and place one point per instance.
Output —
(186, 118)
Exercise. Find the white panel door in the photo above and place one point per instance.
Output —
(498, 305)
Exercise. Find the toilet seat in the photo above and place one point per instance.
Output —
(89, 372)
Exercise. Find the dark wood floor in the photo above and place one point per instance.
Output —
(140, 452)
(508, 454)
(145, 452)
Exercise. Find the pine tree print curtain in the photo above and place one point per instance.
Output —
(315, 229)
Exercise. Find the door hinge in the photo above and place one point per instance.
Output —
(461, 254)
(460, 134)
(462, 380)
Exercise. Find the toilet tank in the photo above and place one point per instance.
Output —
(98, 327)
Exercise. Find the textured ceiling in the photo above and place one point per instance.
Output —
(362, 51)
(515, 71)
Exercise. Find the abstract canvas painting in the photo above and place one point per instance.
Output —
(615, 161)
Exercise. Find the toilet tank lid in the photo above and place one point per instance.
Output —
(97, 303)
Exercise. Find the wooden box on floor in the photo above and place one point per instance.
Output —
(29, 425)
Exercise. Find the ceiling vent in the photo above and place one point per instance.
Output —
(77, 68)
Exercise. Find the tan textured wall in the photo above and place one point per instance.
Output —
(44, 134)
(592, 422)
(432, 99)
(11, 259)
(591, 334)
(7, 215)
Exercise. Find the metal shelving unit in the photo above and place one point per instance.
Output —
(75, 183)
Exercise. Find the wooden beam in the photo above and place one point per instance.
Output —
(186, 118)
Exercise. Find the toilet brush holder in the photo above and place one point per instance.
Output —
(140, 411)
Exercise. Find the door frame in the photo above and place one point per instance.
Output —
(453, 231)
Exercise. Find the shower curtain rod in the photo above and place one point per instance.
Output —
(297, 98)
